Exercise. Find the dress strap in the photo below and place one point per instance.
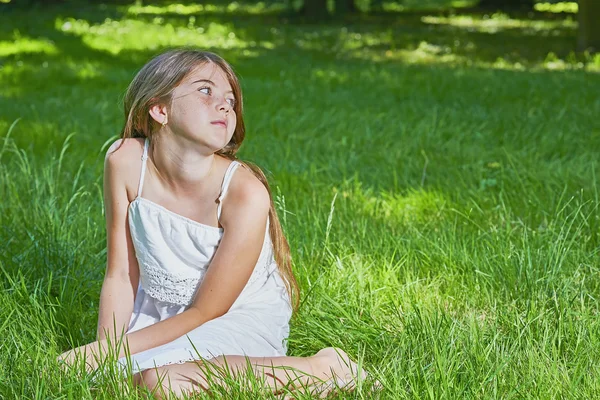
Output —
(225, 186)
(143, 173)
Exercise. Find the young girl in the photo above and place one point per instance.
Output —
(198, 267)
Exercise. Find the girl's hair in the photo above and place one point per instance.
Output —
(154, 84)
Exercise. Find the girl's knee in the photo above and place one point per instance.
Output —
(220, 360)
(163, 381)
(154, 379)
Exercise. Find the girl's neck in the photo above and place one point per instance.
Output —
(181, 168)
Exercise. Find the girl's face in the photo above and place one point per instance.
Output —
(202, 108)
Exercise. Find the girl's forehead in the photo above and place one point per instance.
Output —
(209, 72)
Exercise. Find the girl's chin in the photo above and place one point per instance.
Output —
(224, 141)
(218, 145)
(214, 140)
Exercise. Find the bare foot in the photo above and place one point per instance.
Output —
(337, 371)
(335, 363)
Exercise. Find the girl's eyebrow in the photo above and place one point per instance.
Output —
(210, 83)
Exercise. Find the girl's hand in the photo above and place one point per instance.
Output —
(90, 353)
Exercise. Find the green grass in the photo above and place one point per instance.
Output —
(436, 173)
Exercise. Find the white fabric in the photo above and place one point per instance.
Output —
(173, 254)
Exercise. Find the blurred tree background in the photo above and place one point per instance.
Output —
(588, 38)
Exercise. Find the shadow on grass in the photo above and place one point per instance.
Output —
(472, 37)
(101, 47)
(97, 50)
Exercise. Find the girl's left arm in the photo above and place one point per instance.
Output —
(244, 220)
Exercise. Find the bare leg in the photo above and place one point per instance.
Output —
(294, 373)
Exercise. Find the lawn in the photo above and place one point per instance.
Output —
(436, 173)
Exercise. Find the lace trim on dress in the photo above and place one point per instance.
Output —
(184, 361)
(180, 289)
(127, 367)
(169, 287)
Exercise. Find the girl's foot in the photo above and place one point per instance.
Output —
(338, 372)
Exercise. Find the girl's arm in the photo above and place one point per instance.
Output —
(244, 220)
(122, 272)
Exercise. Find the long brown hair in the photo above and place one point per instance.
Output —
(154, 84)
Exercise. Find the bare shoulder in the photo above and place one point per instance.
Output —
(125, 151)
(247, 193)
(123, 162)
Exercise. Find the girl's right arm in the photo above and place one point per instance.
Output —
(122, 271)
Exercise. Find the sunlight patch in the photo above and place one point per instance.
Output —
(498, 22)
(426, 293)
(415, 206)
(428, 53)
(23, 45)
(191, 9)
(85, 70)
(560, 7)
(330, 76)
(180, 9)
(404, 5)
(115, 36)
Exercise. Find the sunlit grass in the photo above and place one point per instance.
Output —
(559, 7)
(129, 34)
(490, 41)
(407, 5)
(24, 45)
(497, 22)
(194, 9)
(437, 177)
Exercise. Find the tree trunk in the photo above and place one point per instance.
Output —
(506, 4)
(343, 7)
(588, 37)
(314, 9)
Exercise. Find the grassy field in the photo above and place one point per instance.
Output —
(436, 173)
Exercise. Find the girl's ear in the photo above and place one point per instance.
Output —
(158, 112)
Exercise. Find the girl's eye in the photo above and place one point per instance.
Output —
(231, 102)
(206, 88)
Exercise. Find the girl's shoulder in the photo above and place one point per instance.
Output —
(246, 184)
(123, 162)
(124, 150)
(246, 192)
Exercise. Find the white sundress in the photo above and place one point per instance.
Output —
(173, 254)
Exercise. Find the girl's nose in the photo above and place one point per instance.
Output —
(223, 104)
